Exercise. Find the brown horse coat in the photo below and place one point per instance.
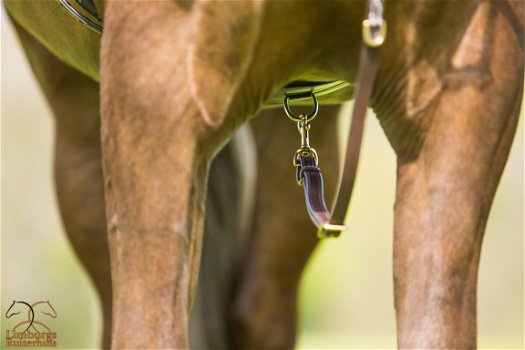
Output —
(178, 78)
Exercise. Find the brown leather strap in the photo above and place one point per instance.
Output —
(368, 64)
(308, 174)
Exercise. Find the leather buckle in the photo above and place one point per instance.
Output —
(373, 36)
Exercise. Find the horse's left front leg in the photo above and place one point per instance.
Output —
(444, 193)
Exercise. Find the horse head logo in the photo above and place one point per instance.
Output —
(43, 307)
(48, 308)
(16, 308)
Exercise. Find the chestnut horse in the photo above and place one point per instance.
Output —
(142, 111)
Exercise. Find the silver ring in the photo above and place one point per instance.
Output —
(298, 118)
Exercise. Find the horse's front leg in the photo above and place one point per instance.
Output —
(167, 90)
(154, 188)
(445, 189)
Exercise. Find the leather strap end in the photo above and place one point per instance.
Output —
(330, 230)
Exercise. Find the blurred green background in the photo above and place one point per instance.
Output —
(347, 292)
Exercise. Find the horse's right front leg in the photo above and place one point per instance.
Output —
(170, 78)
(154, 190)
(154, 186)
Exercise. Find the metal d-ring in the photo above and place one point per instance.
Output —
(297, 118)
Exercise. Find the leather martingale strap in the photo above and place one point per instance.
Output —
(311, 178)
(308, 173)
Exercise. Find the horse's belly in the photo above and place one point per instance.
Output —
(68, 39)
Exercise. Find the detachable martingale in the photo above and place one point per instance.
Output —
(305, 160)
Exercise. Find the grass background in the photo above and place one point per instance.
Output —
(347, 292)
